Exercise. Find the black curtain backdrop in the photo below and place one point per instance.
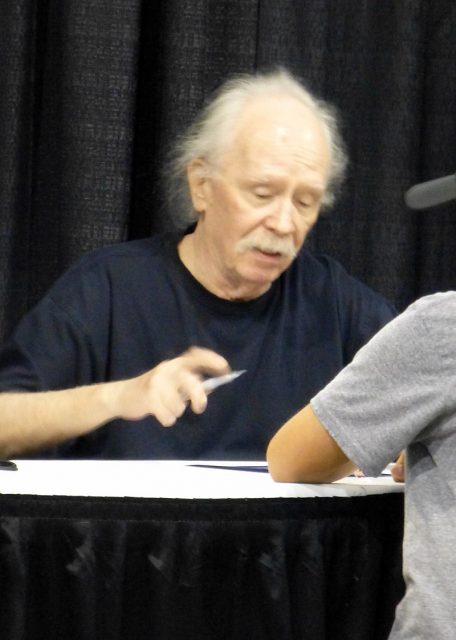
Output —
(93, 91)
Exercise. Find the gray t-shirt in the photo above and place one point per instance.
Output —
(400, 392)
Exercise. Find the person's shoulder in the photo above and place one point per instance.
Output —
(313, 267)
(434, 302)
(437, 307)
(316, 259)
(125, 262)
(322, 264)
(320, 268)
(131, 250)
(360, 307)
(124, 257)
(429, 321)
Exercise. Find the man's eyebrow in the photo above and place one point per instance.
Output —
(258, 179)
(315, 191)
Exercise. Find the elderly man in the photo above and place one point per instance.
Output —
(102, 350)
(398, 392)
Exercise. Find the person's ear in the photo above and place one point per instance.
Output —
(197, 176)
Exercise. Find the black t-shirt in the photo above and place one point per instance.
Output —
(123, 309)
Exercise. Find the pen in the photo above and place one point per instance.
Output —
(7, 465)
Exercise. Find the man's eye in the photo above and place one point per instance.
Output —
(261, 195)
(306, 204)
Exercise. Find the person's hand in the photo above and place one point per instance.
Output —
(167, 389)
(398, 469)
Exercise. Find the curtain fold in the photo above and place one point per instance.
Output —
(187, 49)
(68, 115)
(135, 569)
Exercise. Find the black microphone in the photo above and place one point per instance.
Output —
(431, 193)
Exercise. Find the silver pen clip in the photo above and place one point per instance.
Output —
(212, 383)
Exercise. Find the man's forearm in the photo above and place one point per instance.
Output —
(30, 421)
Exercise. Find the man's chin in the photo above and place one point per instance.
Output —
(262, 277)
(269, 260)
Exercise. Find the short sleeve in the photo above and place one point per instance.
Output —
(61, 342)
(397, 386)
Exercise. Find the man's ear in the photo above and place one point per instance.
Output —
(197, 176)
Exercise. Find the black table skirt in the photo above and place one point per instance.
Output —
(131, 569)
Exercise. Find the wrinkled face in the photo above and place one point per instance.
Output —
(263, 197)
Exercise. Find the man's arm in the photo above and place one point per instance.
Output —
(303, 451)
(29, 421)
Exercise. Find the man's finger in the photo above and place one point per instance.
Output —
(205, 360)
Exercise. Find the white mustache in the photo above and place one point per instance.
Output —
(268, 244)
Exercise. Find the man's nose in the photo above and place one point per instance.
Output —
(281, 219)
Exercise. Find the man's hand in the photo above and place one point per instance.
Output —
(167, 389)
(34, 420)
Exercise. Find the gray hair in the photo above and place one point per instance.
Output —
(209, 135)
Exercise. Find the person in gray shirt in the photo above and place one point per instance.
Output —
(398, 393)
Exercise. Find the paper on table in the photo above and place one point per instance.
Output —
(262, 468)
(7, 465)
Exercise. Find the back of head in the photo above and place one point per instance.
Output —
(212, 131)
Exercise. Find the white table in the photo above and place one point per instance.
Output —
(172, 479)
(110, 550)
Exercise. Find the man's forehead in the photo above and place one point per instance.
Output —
(268, 132)
(281, 120)
(276, 110)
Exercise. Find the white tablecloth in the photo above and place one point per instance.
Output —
(172, 479)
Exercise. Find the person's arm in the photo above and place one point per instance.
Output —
(303, 451)
(30, 420)
(398, 469)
